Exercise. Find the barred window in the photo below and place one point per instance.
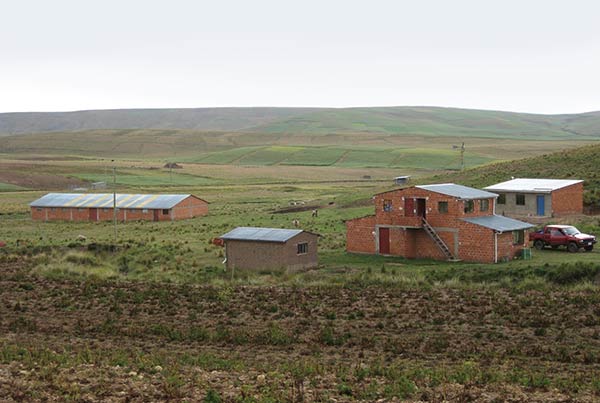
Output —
(501, 198)
(520, 199)
(484, 205)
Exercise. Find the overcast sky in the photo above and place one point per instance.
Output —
(517, 55)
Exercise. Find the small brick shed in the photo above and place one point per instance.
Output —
(441, 221)
(539, 197)
(130, 207)
(270, 248)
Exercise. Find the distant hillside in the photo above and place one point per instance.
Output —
(197, 119)
(579, 163)
(393, 121)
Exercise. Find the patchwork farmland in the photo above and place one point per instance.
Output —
(155, 315)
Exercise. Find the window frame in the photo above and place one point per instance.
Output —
(501, 198)
(166, 211)
(469, 206)
(445, 209)
(519, 196)
(486, 203)
(518, 237)
(387, 205)
(302, 248)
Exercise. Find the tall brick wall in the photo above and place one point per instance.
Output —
(359, 235)
(568, 200)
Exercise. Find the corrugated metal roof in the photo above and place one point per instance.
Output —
(460, 191)
(261, 234)
(499, 223)
(533, 185)
(105, 200)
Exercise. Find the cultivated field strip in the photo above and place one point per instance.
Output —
(104, 340)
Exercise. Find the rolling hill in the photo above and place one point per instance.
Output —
(221, 119)
(578, 163)
(393, 121)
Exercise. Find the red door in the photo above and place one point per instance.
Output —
(409, 207)
(384, 241)
(155, 211)
(93, 214)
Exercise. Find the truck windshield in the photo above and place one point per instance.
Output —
(570, 231)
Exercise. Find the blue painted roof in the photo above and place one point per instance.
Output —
(105, 200)
(460, 191)
(499, 223)
(261, 234)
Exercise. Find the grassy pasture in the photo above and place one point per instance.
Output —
(161, 318)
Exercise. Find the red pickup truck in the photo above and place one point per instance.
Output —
(562, 235)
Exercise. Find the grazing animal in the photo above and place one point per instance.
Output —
(315, 213)
(81, 238)
(296, 223)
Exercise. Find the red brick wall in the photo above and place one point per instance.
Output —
(568, 200)
(189, 208)
(398, 214)
(506, 249)
(359, 235)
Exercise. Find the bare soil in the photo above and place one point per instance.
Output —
(130, 341)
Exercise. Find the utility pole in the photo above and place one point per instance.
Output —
(115, 198)
(462, 155)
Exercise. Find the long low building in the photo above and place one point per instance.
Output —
(130, 207)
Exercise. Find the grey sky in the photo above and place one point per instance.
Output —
(532, 56)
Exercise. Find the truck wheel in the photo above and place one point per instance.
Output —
(589, 248)
(572, 247)
(538, 244)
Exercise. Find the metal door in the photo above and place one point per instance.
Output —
(384, 241)
(541, 205)
(155, 211)
(93, 214)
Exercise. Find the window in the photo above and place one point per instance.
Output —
(469, 206)
(105, 210)
(387, 205)
(484, 205)
(38, 209)
(520, 199)
(64, 209)
(518, 237)
(165, 211)
(501, 198)
(144, 210)
(302, 248)
(80, 209)
(443, 207)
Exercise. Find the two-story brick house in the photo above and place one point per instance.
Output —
(441, 221)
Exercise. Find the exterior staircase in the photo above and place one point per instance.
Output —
(438, 241)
